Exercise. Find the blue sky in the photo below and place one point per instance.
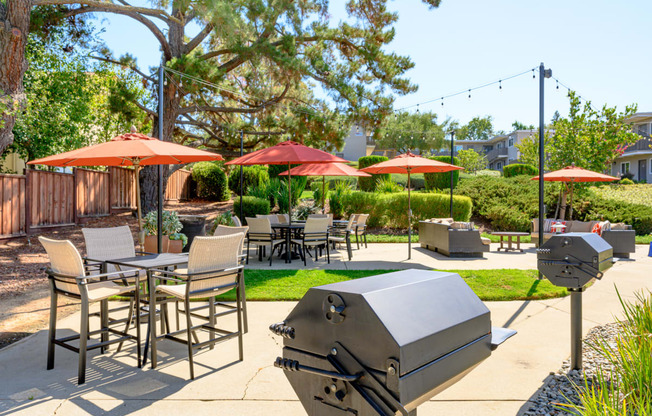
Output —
(598, 48)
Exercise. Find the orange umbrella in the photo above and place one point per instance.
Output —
(131, 149)
(323, 170)
(410, 163)
(287, 152)
(574, 174)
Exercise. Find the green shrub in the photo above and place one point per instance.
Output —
(251, 206)
(336, 200)
(506, 218)
(368, 184)
(225, 218)
(517, 169)
(390, 210)
(591, 208)
(441, 180)
(253, 176)
(316, 188)
(212, 183)
(332, 181)
(388, 186)
(282, 196)
(626, 181)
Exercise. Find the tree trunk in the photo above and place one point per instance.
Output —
(171, 100)
(14, 28)
(564, 197)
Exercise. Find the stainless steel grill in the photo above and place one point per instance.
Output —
(573, 261)
(384, 344)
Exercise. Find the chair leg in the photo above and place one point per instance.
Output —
(239, 308)
(271, 253)
(328, 253)
(186, 305)
(244, 306)
(138, 325)
(247, 260)
(357, 242)
(365, 239)
(211, 319)
(303, 253)
(53, 328)
(83, 333)
(348, 248)
(176, 308)
(128, 324)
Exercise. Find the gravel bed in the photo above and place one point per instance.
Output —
(560, 387)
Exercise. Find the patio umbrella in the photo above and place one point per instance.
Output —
(574, 174)
(289, 153)
(131, 149)
(323, 170)
(410, 163)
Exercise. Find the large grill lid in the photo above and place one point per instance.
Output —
(415, 316)
(384, 344)
(575, 259)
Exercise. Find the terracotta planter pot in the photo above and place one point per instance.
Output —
(175, 246)
(151, 244)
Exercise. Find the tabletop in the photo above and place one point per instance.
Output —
(293, 226)
(507, 233)
(152, 261)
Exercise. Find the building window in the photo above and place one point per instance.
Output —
(624, 168)
(650, 165)
(511, 142)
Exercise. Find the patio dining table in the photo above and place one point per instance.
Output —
(148, 263)
(288, 230)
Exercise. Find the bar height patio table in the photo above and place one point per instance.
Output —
(147, 263)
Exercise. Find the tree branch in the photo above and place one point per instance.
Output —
(112, 7)
(197, 40)
(136, 70)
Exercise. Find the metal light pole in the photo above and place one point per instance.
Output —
(452, 155)
(159, 218)
(241, 174)
(543, 73)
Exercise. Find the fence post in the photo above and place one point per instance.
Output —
(28, 201)
(74, 195)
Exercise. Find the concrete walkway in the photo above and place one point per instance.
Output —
(502, 385)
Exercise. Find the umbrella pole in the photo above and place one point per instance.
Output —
(570, 216)
(409, 219)
(289, 197)
(323, 194)
(138, 209)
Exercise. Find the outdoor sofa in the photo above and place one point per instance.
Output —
(620, 236)
(452, 239)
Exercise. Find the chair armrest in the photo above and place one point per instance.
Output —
(185, 276)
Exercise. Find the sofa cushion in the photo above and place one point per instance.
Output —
(442, 220)
(619, 226)
(459, 225)
(485, 240)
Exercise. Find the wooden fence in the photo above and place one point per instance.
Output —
(41, 199)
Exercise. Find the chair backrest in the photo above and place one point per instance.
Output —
(213, 253)
(316, 225)
(64, 260)
(225, 230)
(109, 243)
(236, 221)
(349, 225)
(259, 225)
(361, 220)
(273, 219)
(283, 218)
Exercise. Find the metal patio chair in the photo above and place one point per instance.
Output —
(67, 276)
(360, 229)
(261, 234)
(213, 269)
(315, 235)
(339, 235)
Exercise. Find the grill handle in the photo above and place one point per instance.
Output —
(283, 330)
(293, 365)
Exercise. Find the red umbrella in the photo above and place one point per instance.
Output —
(131, 149)
(287, 152)
(574, 174)
(410, 163)
(323, 170)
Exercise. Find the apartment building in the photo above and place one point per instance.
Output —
(500, 150)
(637, 158)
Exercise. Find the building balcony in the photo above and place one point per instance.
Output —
(496, 154)
(641, 145)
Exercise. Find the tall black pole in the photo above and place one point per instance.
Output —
(241, 173)
(409, 218)
(541, 153)
(159, 217)
(452, 156)
(289, 199)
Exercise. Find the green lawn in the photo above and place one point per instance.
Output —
(501, 284)
(386, 238)
(306, 194)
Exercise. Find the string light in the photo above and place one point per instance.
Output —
(469, 93)
(533, 76)
(500, 84)
(417, 108)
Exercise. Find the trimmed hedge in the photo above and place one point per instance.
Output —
(298, 182)
(442, 180)
(367, 184)
(517, 169)
(254, 176)
(251, 206)
(390, 210)
(212, 183)
(591, 208)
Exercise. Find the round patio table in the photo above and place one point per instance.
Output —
(288, 229)
(510, 235)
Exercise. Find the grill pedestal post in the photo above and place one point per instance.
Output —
(576, 328)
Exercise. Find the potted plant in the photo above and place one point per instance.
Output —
(171, 225)
(177, 242)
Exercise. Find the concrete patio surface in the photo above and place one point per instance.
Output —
(501, 385)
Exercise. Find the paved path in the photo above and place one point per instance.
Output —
(501, 385)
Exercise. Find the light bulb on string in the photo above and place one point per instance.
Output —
(442, 101)
(469, 94)
(500, 84)
(417, 108)
(557, 83)
(533, 76)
